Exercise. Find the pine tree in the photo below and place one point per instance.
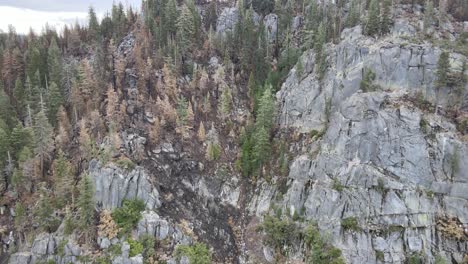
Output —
(299, 69)
(63, 179)
(373, 18)
(185, 29)
(4, 147)
(246, 157)
(43, 133)
(386, 19)
(353, 15)
(226, 102)
(55, 100)
(197, 20)
(44, 213)
(428, 15)
(443, 69)
(55, 63)
(262, 147)
(93, 24)
(320, 53)
(21, 137)
(86, 145)
(211, 16)
(266, 110)
(86, 206)
(182, 106)
(20, 217)
(20, 96)
(170, 18)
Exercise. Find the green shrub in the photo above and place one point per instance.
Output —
(337, 185)
(350, 223)
(69, 225)
(197, 253)
(125, 163)
(440, 260)
(321, 252)
(367, 82)
(214, 151)
(102, 260)
(315, 134)
(127, 216)
(380, 185)
(149, 243)
(279, 233)
(136, 247)
(424, 125)
(61, 247)
(115, 250)
(415, 259)
(380, 255)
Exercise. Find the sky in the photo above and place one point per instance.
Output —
(26, 14)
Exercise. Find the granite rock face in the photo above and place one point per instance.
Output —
(114, 184)
(395, 168)
(304, 100)
(227, 20)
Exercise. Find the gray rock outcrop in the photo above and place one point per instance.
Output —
(114, 184)
(393, 167)
(398, 66)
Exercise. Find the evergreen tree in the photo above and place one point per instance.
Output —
(226, 102)
(197, 20)
(373, 18)
(246, 157)
(353, 15)
(320, 53)
(21, 137)
(93, 24)
(263, 6)
(20, 96)
(63, 179)
(43, 133)
(266, 110)
(428, 14)
(262, 147)
(20, 217)
(86, 206)
(55, 64)
(185, 29)
(44, 213)
(4, 147)
(211, 16)
(386, 19)
(55, 100)
(170, 19)
(443, 69)
(7, 113)
(33, 63)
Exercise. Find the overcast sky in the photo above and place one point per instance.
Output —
(23, 14)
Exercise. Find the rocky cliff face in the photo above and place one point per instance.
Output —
(395, 168)
(392, 160)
